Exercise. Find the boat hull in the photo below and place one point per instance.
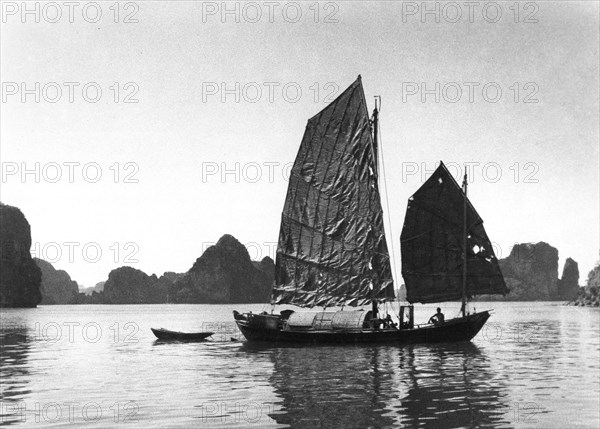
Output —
(454, 330)
(165, 334)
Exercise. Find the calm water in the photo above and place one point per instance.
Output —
(97, 366)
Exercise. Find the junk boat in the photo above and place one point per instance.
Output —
(332, 249)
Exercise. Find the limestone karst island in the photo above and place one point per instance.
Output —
(224, 273)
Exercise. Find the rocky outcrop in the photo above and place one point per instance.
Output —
(267, 266)
(225, 274)
(593, 279)
(127, 285)
(588, 295)
(170, 277)
(20, 277)
(531, 272)
(568, 285)
(164, 284)
(57, 286)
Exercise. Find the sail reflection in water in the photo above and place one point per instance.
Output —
(357, 392)
(450, 386)
(447, 385)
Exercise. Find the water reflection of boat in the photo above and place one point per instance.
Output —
(451, 385)
(364, 386)
(332, 386)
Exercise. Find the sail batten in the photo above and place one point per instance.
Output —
(433, 249)
(332, 245)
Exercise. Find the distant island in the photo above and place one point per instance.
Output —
(225, 274)
(98, 287)
(57, 286)
(531, 274)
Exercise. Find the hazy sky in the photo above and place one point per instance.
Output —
(516, 94)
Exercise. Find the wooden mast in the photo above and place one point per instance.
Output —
(464, 278)
(375, 126)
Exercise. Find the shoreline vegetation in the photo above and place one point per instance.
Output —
(225, 274)
(588, 296)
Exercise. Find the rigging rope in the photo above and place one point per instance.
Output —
(387, 206)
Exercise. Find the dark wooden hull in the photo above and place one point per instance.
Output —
(453, 330)
(165, 334)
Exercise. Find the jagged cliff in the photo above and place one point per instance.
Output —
(568, 285)
(57, 286)
(531, 274)
(20, 277)
(225, 274)
(267, 266)
(588, 295)
(127, 285)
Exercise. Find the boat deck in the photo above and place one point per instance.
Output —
(459, 329)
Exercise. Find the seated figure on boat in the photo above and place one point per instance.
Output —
(389, 323)
(437, 318)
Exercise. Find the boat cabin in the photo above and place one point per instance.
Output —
(329, 320)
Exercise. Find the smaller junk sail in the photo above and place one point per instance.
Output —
(432, 245)
(332, 248)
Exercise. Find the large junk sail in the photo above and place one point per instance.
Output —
(432, 245)
(332, 248)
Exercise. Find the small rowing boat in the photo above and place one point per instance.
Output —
(165, 334)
